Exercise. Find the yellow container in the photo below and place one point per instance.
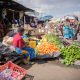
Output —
(32, 44)
(24, 52)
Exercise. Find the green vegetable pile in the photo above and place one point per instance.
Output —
(70, 54)
(54, 39)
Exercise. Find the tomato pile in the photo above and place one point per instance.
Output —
(47, 47)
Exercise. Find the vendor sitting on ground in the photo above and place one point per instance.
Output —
(21, 47)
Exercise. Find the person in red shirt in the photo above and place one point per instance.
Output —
(19, 43)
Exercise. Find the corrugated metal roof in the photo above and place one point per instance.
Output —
(10, 4)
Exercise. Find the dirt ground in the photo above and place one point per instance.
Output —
(52, 70)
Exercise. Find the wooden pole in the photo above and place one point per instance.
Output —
(24, 20)
(13, 20)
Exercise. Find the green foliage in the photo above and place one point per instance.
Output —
(54, 39)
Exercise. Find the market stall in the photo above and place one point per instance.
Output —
(14, 16)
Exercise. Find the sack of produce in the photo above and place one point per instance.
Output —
(10, 41)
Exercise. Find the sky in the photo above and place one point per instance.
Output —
(55, 8)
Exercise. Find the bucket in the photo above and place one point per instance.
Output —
(32, 44)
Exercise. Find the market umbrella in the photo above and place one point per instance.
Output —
(70, 17)
(72, 20)
(44, 18)
(47, 17)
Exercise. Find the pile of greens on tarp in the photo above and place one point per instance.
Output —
(70, 54)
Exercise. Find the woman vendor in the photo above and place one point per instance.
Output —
(66, 30)
(21, 47)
